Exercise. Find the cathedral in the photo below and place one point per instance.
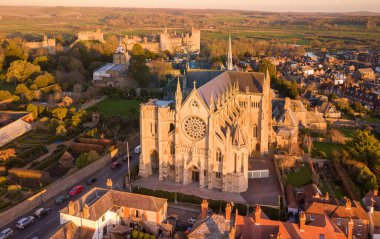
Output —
(209, 136)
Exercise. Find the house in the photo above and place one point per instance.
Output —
(307, 70)
(342, 216)
(372, 202)
(259, 226)
(98, 212)
(365, 74)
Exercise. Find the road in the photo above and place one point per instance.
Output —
(44, 227)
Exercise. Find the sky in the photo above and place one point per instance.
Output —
(267, 5)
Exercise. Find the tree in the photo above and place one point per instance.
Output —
(59, 113)
(364, 147)
(60, 130)
(12, 53)
(21, 89)
(137, 50)
(81, 161)
(33, 109)
(21, 70)
(76, 118)
(44, 80)
(5, 95)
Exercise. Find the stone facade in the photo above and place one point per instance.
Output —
(91, 36)
(46, 43)
(168, 41)
(210, 135)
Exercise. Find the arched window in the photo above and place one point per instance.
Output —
(172, 148)
(218, 155)
(235, 160)
(255, 131)
(242, 163)
(171, 127)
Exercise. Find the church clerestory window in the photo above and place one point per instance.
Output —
(172, 148)
(218, 155)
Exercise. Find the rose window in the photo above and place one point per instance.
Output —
(194, 127)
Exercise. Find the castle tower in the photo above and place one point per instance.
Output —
(120, 56)
(229, 55)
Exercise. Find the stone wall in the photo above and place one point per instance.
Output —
(55, 189)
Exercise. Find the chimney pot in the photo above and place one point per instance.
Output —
(228, 211)
(302, 217)
(204, 209)
(348, 203)
(257, 215)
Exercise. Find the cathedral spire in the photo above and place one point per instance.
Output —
(178, 93)
(229, 56)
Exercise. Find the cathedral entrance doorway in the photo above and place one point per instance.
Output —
(195, 176)
(154, 161)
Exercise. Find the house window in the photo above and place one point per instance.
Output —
(360, 223)
(321, 236)
(311, 217)
(339, 221)
(359, 232)
(218, 175)
(103, 218)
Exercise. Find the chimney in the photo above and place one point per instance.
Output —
(204, 209)
(350, 228)
(228, 211)
(348, 203)
(257, 215)
(327, 197)
(287, 103)
(86, 211)
(71, 208)
(375, 192)
(302, 217)
(236, 216)
(232, 233)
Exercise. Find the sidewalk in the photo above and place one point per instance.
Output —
(92, 103)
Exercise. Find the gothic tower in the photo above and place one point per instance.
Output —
(120, 56)
(229, 56)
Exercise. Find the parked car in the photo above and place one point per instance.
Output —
(137, 150)
(62, 199)
(25, 221)
(115, 165)
(191, 220)
(41, 212)
(91, 181)
(76, 190)
(6, 233)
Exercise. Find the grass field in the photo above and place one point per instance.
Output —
(117, 107)
(348, 132)
(338, 190)
(300, 178)
(326, 147)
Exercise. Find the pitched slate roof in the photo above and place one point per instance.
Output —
(247, 81)
(111, 198)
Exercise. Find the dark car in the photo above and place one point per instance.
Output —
(91, 181)
(62, 199)
(116, 165)
(42, 212)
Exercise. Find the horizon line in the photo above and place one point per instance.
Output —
(183, 8)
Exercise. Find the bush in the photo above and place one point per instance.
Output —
(135, 234)
(3, 180)
(14, 188)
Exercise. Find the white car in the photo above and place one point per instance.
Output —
(25, 221)
(41, 212)
(6, 233)
(191, 220)
(137, 150)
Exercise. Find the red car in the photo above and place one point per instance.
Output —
(76, 190)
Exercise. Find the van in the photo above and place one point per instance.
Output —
(137, 150)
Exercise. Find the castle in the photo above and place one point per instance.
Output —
(168, 41)
(46, 43)
(91, 36)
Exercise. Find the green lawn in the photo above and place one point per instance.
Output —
(326, 147)
(117, 107)
(300, 178)
(348, 132)
(338, 189)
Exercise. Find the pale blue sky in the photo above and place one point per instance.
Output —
(267, 5)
